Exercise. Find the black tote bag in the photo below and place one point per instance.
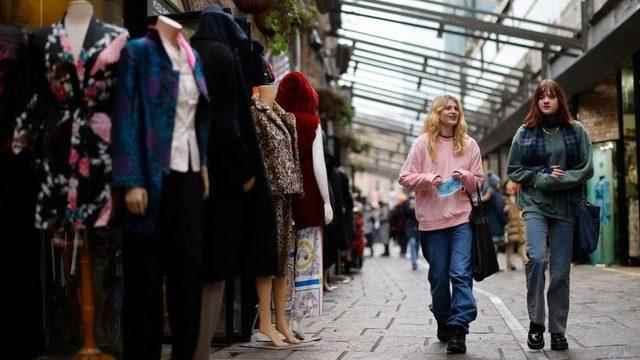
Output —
(587, 227)
(484, 259)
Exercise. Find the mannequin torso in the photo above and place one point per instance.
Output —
(79, 13)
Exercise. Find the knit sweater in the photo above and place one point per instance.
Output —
(420, 170)
(543, 194)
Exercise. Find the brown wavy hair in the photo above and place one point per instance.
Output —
(549, 87)
(432, 125)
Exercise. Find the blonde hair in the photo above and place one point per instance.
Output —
(432, 126)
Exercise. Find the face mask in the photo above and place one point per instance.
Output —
(449, 187)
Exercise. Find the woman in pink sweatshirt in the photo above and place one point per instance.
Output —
(440, 161)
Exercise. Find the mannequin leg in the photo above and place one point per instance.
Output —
(264, 288)
(281, 295)
(212, 295)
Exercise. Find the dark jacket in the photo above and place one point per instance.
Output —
(239, 226)
(144, 119)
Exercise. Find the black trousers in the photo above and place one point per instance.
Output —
(170, 255)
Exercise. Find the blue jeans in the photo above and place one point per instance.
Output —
(559, 235)
(414, 249)
(448, 252)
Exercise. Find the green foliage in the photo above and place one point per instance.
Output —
(285, 18)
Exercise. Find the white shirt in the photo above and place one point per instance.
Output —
(184, 145)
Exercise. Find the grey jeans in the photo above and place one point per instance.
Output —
(544, 234)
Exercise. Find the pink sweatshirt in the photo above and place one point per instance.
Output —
(419, 170)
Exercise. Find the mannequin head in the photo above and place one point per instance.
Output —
(295, 94)
(168, 29)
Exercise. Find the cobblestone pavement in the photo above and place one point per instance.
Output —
(382, 315)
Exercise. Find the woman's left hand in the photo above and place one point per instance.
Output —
(556, 171)
(457, 174)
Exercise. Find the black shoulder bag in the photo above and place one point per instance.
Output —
(484, 259)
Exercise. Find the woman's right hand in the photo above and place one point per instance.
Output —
(137, 201)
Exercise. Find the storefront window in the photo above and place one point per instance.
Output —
(602, 191)
(631, 162)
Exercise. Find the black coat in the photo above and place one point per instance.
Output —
(239, 227)
(14, 81)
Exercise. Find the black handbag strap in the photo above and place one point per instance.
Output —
(473, 204)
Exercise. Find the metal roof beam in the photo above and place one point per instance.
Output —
(426, 48)
(433, 58)
(418, 101)
(353, 78)
(467, 22)
(500, 16)
(419, 74)
(509, 86)
(356, 121)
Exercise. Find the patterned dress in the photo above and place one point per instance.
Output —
(67, 124)
(276, 130)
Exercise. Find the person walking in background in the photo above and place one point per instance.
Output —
(369, 226)
(443, 161)
(397, 225)
(515, 229)
(383, 229)
(551, 159)
(411, 230)
(494, 205)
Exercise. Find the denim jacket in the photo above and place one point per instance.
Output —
(145, 110)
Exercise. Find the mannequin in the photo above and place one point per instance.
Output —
(164, 181)
(79, 13)
(69, 136)
(278, 285)
(240, 217)
(313, 210)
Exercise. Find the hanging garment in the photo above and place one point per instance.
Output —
(145, 109)
(277, 139)
(297, 96)
(67, 124)
(235, 221)
(14, 81)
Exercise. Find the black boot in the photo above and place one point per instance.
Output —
(535, 340)
(457, 342)
(443, 332)
(386, 250)
(559, 342)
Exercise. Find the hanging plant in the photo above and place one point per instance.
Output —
(282, 21)
(334, 107)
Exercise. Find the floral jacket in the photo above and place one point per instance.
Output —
(67, 124)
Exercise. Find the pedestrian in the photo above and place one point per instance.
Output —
(383, 228)
(444, 162)
(515, 237)
(369, 226)
(494, 205)
(411, 230)
(551, 159)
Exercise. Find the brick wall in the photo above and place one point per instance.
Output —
(598, 111)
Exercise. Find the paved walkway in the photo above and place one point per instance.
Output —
(382, 315)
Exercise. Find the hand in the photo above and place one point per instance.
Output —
(205, 181)
(457, 174)
(437, 181)
(556, 171)
(248, 186)
(328, 213)
(137, 201)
